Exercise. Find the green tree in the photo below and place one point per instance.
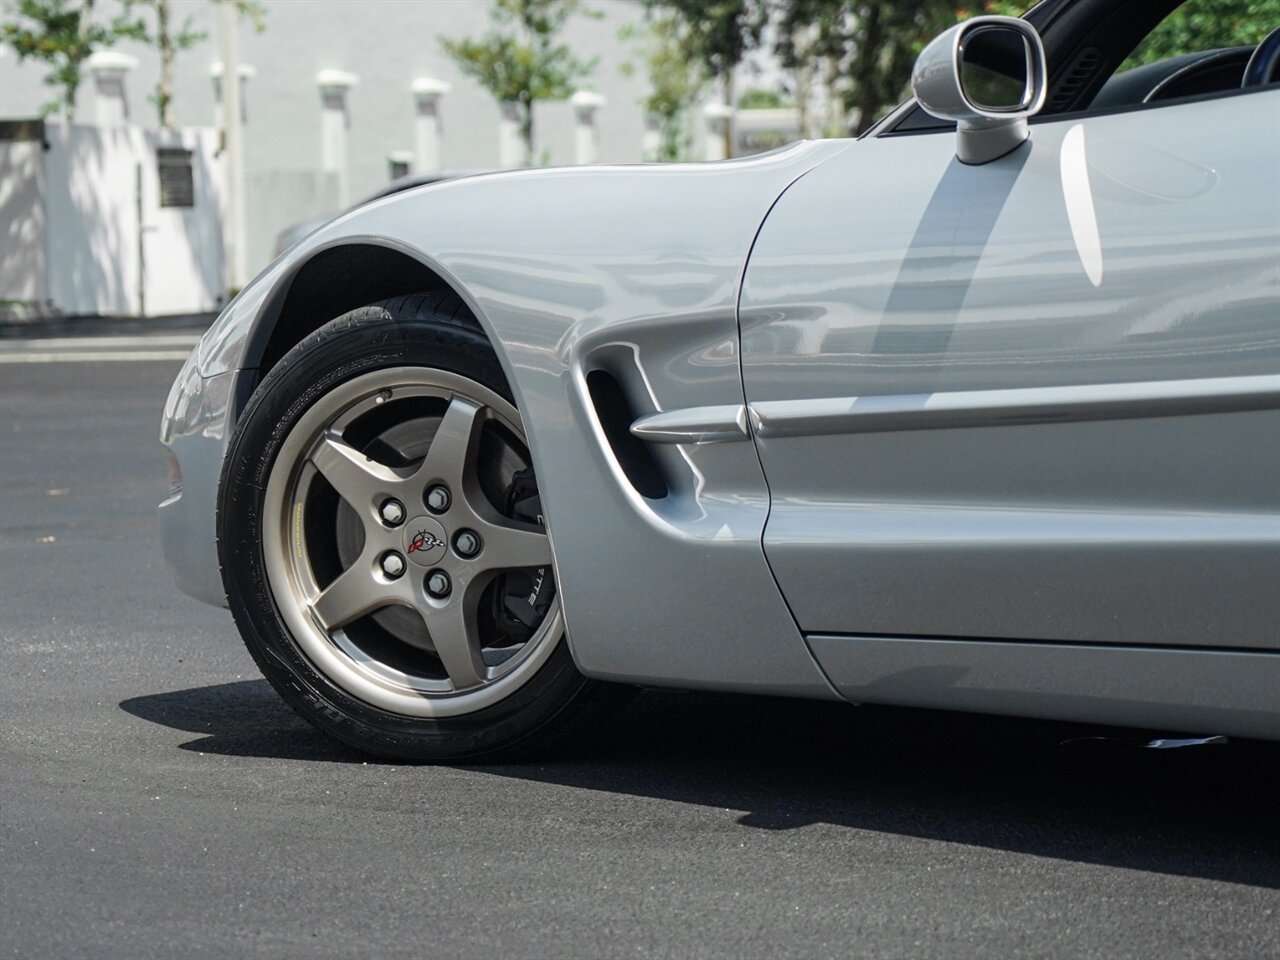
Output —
(167, 43)
(719, 35)
(519, 61)
(160, 34)
(865, 48)
(675, 84)
(1207, 25)
(758, 98)
(62, 34)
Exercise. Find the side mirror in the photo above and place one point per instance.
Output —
(987, 74)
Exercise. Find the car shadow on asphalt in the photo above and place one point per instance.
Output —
(1036, 787)
(241, 719)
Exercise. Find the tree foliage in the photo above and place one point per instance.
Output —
(1207, 25)
(720, 32)
(65, 33)
(676, 84)
(758, 98)
(853, 43)
(865, 49)
(167, 42)
(254, 11)
(519, 60)
(717, 36)
(160, 33)
(62, 34)
(861, 50)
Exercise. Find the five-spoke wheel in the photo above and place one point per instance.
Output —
(383, 544)
(398, 495)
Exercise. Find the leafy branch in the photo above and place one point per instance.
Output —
(519, 61)
(62, 34)
(675, 84)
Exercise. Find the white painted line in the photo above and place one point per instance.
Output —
(162, 340)
(118, 356)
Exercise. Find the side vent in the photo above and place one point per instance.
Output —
(616, 417)
(1073, 80)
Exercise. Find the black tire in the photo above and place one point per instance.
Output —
(433, 331)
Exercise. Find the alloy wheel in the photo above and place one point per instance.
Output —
(404, 544)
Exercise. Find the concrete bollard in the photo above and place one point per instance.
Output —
(111, 104)
(427, 126)
(717, 117)
(586, 141)
(510, 147)
(247, 73)
(651, 145)
(335, 118)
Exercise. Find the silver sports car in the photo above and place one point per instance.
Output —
(980, 411)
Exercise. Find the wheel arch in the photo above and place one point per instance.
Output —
(332, 280)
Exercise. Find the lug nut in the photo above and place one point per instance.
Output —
(438, 498)
(467, 543)
(438, 584)
(392, 564)
(392, 512)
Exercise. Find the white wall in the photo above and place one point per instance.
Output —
(387, 44)
(22, 221)
(758, 130)
(282, 197)
(184, 247)
(97, 241)
(90, 204)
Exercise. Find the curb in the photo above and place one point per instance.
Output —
(22, 312)
(41, 322)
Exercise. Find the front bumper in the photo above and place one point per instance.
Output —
(195, 431)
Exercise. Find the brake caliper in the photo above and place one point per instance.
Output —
(523, 596)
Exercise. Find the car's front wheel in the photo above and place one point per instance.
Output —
(382, 541)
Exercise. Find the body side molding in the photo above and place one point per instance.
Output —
(693, 425)
(991, 408)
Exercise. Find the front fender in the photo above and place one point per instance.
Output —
(633, 270)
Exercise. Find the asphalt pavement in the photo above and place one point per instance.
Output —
(158, 800)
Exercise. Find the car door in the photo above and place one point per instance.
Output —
(1035, 398)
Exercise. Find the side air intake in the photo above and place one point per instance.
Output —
(616, 416)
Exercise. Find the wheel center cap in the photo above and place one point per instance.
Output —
(425, 541)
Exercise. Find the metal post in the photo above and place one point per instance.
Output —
(142, 242)
(730, 105)
(233, 142)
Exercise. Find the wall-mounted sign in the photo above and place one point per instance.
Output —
(177, 183)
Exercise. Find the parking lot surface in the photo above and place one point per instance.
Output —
(157, 799)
